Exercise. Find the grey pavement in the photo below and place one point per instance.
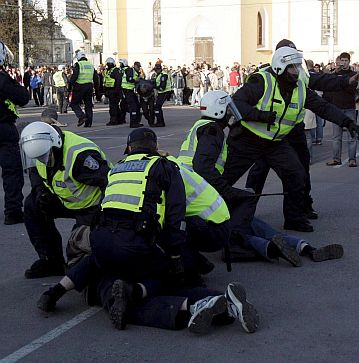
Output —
(307, 314)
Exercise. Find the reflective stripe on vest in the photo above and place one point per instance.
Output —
(107, 80)
(127, 183)
(86, 72)
(73, 194)
(293, 115)
(125, 83)
(59, 79)
(202, 199)
(189, 147)
(168, 83)
(11, 106)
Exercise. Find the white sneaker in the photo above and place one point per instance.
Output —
(240, 308)
(203, 312)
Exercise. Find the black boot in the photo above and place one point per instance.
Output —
(278, 247)
(49, 298)
(46, 267)
(14, 217)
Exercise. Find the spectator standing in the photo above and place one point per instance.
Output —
(47, 83)
(35, 84)
(196, 94)
(345, 100)
(234, 81)
(178, 86)
(61, 83)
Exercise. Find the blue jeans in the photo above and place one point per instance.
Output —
(317, 133)
(338, 136)
(262, 235)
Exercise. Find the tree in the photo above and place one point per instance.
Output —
(93, 11)
(37, 25)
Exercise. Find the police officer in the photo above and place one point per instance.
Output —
(163, 86)
(112, 86)
(11, 94)
(130, 77)
(145, 90)
(68, 174)
(144, 205)
(296, 138)
(60, 82)
(83, 79)
(272, 102)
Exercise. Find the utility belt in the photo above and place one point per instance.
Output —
(142, 223)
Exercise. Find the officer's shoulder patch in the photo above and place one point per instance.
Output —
(91, 163)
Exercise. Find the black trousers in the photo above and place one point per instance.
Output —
(12, 175)
(83, 93)
(133, 106)
(259, 171)
(160, 100)
(61, 95)
(114, 99)
(147, 105)
(245, 148)
(41, 227)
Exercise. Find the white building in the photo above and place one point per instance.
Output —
(222, 32)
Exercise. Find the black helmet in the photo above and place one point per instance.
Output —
(144, 88)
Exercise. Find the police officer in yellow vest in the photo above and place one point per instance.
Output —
(144, 205)
(83, 79)
(68, 175)
(112, 86)
(272, 103)
(130, 78)
(60, 82)
(163, 85)
(11, 94)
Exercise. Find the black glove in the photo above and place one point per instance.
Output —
(177, 269)
(353, 129)
(268, 117)
(44, 200)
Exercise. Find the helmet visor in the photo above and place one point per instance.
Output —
(232, 108)
(28, 157)
(299, 71)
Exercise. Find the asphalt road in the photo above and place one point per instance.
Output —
(307, 314)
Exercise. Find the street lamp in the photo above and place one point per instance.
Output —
(21, 40)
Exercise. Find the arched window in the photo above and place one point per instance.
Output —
(259, 30)
(329, 20)
(157, 23)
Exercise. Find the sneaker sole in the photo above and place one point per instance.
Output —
(201, 322)
(330, 252)
(119, 307)
(287, 252)
(248, 314)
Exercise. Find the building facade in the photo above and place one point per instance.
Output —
(245, 31)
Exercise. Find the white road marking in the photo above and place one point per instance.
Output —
(51, 335)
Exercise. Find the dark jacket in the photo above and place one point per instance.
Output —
(17, 94)
(252, 91)
(345, 98)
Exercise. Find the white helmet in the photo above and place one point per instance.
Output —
(80, 54)
(36, 141)
(61, 67)
(285, 56)
(214, 104)
(110, 60)
(123, 61)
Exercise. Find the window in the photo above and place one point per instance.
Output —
(329, 8)
(259, 30)
(157, 23)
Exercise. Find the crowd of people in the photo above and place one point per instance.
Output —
(142, 224)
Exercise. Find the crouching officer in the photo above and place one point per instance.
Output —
(11, 94)
(145, 89)
(68, 174)
(144, 206)
(112, 86)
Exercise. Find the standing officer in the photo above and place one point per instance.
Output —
(11, 94)
(60, 82)
(112, 87)
(68, 175)
(130, 77)
(163, 85)
(272, 103)
(81, 84)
